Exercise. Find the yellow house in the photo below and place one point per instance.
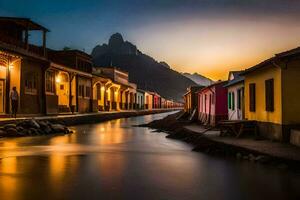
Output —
(272, 95)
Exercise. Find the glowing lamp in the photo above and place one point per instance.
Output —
(58, 79)
(11, 67)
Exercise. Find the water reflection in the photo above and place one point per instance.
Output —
(113, 160)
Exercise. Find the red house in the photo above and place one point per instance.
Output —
(212, 103)
(156, 100)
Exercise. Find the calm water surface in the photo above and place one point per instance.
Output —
(113, 160)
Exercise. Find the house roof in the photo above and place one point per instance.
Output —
(259, 66)
(238, 78)
(212, 85)
(288, 53)
(24, 22)
(272, 60)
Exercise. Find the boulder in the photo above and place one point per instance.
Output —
(12, 132)
(34, 131)
(42, 124)
(263, 159)
(7, 126)
(58, 128)
(34, 123)
(19, 128)
(3, 133)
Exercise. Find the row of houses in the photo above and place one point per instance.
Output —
(267, 93)
(52, 82)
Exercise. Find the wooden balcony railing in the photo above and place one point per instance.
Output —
(17, 43)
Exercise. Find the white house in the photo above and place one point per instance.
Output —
(235, 88)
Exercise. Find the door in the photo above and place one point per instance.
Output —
(2, 97)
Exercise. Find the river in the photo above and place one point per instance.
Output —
(115, 160)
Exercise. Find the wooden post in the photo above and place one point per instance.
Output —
(76, 95)
(44, 43)
(43, 96)
(7, 90)
(71, 77)
(91, 95)
(26, 37)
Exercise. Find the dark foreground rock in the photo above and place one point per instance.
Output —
(32, 127)
(175, 129)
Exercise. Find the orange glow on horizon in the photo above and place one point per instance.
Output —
(214, 46)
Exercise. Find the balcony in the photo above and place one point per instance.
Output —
(15, 33)
(21, 47)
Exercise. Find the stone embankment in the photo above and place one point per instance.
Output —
(46, 125)
(219, 146)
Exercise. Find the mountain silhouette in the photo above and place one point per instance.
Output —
(145, 71)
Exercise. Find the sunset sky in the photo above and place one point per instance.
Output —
(210, 37)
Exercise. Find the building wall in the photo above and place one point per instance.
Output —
(31, 103)
(140, 100)
(291, 92)
(235, 113)
(84, 102)
(52, 104)
(258, 77)
(221, 102)
(148, 100)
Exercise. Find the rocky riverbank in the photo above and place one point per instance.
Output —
(32, 127)
(175, 128)
(46, 125)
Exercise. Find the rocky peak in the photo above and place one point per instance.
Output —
(116, 40)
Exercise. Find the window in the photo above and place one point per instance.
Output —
(252, 97)
(31, 83)
(239, 99)
(232, 101)
(50, 81)
(269, 89)
(81, 90)
(229, 100)
(88, 91)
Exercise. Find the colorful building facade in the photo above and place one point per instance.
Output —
(191, 99)
(59, 82)
(212, 104)
(22, 65)
(235, 94)
(272, 95)
(140, 99)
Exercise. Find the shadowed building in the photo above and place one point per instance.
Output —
(22, 65)
(272, 95)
